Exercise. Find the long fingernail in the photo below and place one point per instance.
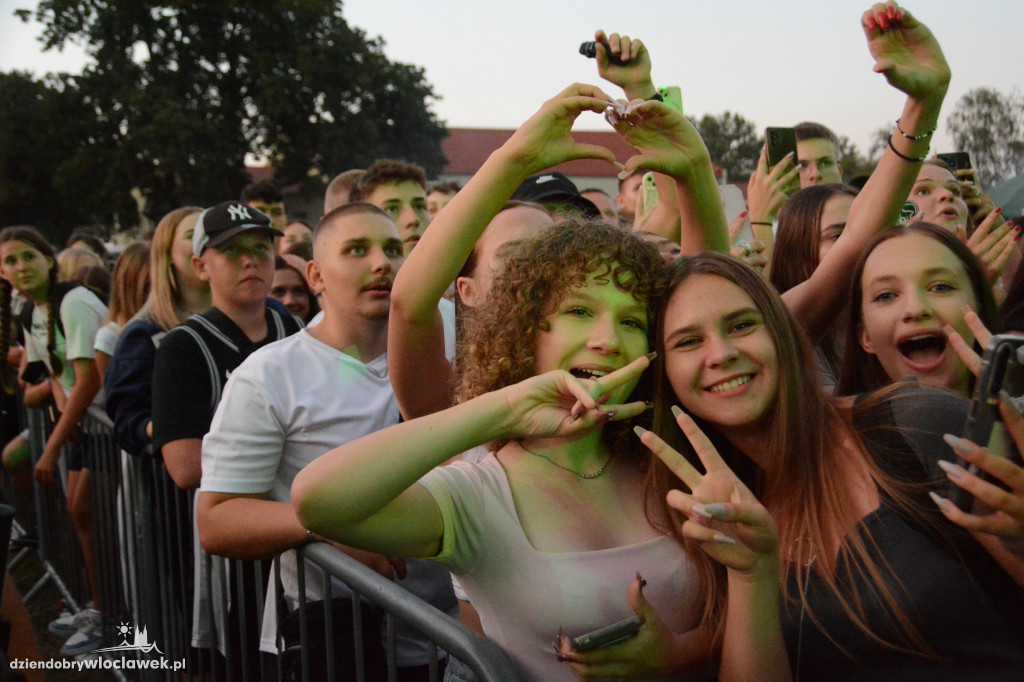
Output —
(639, 431)
(953, 470)
(648, 405)
(643, 583)
(676, 411)
(723, 539)
(941, 502)
(716, 511)
(650, 356)
(700, 510)
(959, 445)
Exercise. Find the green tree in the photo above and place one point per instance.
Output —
(181, 92)
(851, 161)
(990, 125)
(41, 135)
(733, 142)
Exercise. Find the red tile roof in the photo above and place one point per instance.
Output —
(467, 148)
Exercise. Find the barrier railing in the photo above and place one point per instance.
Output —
(144, 534)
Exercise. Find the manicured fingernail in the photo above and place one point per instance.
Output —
(650, 356)
(639, 431)
(744, 214)
(676, 411)
(607, 416)
(958, 444)
(941, 502)
(871, 23)
(998, 209)
(643, 583)
(716, 511)
(890, 12)
(699, 509)
(560, 658)
(574, 418)
(953, 470)
(648, 405)
(899, 15)
(722, 538)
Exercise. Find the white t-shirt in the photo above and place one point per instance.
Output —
(523, 595)
(81, 314)
(106, 338)
(286, 405)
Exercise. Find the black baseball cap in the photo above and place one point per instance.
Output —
(220, 223)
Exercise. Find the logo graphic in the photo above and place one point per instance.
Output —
(140, 641)
(238, 212)
(545, 178)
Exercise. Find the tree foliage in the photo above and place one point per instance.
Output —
(990, 126)
(181, 92)
(733, 142)
(851, 161)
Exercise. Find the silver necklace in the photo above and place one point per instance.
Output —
(574, 473)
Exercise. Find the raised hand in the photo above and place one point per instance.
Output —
(768, 188)
(963, 349)
(560, 404)
(905, 51)
(722, 514)
(544, 140)
(665, 140)
(993, 242)
(634, 75)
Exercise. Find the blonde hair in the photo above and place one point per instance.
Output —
(69, 261)
(166, 304)
(130, 286)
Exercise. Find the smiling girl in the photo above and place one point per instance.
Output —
(909, 285)
(560, 499)
(837, 564)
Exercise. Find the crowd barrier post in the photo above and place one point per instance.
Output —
(144, 533)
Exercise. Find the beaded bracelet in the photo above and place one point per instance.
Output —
(915, 138)
(904, 156)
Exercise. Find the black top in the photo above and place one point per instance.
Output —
(966, 608)
(192, 364)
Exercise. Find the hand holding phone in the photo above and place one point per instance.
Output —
(608, 635)
(1002, 369)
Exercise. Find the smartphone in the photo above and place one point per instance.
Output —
(780, 141)
(1002, 369)
(909, 210)
(589, 49)
(608, 635)
(648, 193)
(672, 95)
(956, 160)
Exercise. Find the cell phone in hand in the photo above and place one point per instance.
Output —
(956, 160)
(608, 635)
(780, 141)
(589, 49)
(1002, 369)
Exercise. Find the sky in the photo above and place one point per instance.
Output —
(493, 64)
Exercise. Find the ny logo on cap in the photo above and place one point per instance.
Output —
(239, 212)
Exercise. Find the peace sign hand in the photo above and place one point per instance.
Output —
(732, 527)
(559, 404)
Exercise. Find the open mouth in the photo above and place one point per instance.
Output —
(923, 350)
(581, 373)
(730, 384)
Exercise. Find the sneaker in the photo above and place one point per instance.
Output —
(66, 623)
(88, 636)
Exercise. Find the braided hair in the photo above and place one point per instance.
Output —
(33, 238)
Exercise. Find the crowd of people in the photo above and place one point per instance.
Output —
(545, 411)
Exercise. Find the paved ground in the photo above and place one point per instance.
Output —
(43, 609)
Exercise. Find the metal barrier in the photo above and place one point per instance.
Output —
(143, 531)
